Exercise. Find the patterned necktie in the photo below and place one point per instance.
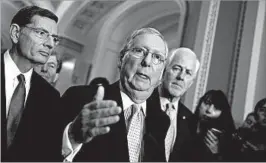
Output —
(170, 133)
(135, 122)
(15, 109)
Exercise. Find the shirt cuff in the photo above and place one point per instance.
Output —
(67, 150)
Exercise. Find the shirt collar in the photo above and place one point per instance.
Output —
(13, 71)
(165, 101)
(127, 102)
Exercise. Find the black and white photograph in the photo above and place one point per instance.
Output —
(133, 80)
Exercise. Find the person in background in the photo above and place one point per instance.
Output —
(181, 70)
(30, 131)
(122, 121)
(215, 127)
(51, 69)
(99, 81)
(253, 146)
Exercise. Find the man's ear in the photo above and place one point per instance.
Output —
(14, 32)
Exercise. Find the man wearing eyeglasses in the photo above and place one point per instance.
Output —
(122, 121)
(29, 103)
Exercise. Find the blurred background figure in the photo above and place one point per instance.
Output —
(215, 126)
(51, 69)
(99, 81)
(250, 121)
(252, 138)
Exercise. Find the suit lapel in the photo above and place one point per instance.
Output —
(3, 106)
(157, 123)
(118, 132)
(182, 132)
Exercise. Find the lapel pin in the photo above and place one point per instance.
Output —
(183, 117)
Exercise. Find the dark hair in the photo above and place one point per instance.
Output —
(259, 105)
(59, 61)
(225, 121)
(252, 114)
(24, 15)
(99, 80)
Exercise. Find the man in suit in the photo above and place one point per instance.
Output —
(28, 102)
(120, 122)
(180, 72)
(51, 69)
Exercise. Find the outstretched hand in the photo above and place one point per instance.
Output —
(94, 118)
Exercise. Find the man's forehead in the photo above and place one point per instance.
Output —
(45, 23)
(52, 58)
(183, 59)
(149, 40)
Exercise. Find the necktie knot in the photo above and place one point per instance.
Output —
(21, 78)
(170, 110)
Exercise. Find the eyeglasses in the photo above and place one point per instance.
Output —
(143, 52)
(44, 35)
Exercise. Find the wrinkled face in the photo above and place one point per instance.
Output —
(180, 73)
(31, 46)
(208, 111)
(249, 122)
(48, 70)
(142, 74)
(262, 115)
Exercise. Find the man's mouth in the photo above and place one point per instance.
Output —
(44, 53)
(143, 76)
(177, 85)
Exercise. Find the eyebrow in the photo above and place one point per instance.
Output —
(54, 35)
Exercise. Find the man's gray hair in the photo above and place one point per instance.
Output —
(138, 32)
(173, 52)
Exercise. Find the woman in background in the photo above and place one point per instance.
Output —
(253, 142)
(215, 127)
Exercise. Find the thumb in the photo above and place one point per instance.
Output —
(99, 94)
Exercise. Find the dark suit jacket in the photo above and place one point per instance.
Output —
(113, 146)
(38, 137)
(186, 132)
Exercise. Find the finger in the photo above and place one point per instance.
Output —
(104, 121)
(99, 131)
(99, 94)
(106, 112)
(211, 136)
(100, 104)
(208, 141)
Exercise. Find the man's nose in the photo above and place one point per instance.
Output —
(49, 42)
(44, 68)
(181, 75)
(147, 60)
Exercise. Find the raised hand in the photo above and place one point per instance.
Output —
(94, 118)
(212, 142)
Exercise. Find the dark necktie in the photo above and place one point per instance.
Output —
(15, 109)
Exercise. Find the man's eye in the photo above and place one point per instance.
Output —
(56, 39)
(189, 73)
(158, 56)
(176, 68)
(138, 50)
(40, 32)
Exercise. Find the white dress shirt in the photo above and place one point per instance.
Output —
(11, 81)
(67, 150)
(164, 102)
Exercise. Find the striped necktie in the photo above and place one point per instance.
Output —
(15, 109)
